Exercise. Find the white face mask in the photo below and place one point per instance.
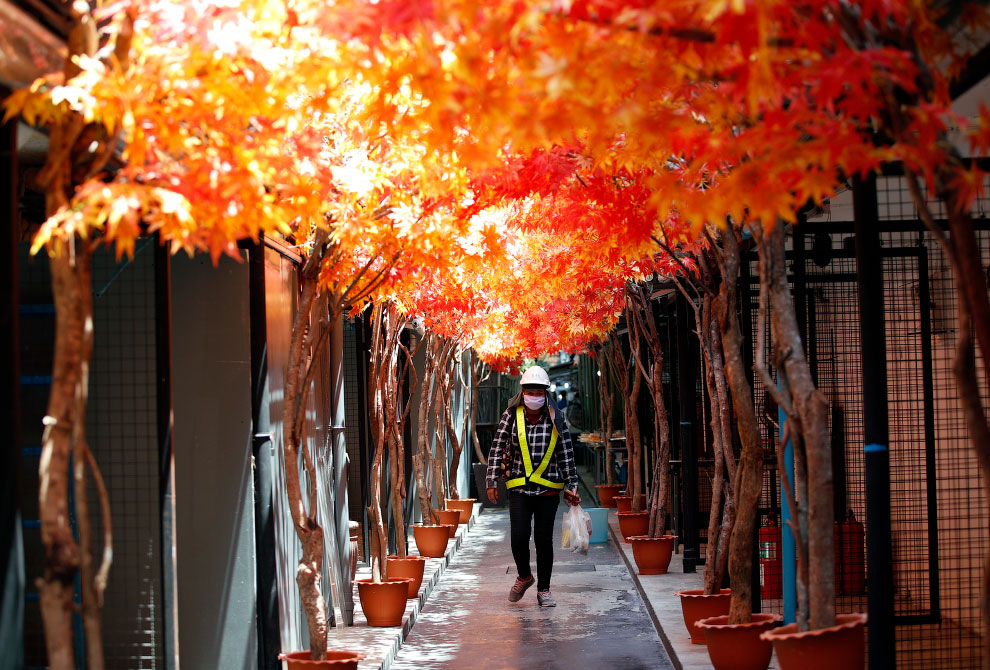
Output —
(534, 402)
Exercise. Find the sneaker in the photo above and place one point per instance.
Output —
(519, 588)
(545, 599)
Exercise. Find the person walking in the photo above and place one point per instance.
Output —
(533, 451)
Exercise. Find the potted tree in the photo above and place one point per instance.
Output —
(735, 634)
(711, 600)
(463, 506)
(431, 539)
(384, 595)
(652, 550)
(810, 495)
(608, 490)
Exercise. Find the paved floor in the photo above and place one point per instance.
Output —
(600, 620)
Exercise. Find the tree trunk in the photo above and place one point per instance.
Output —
(64, 421)
(643, 329)
(748, 484)
(456, 445)
(811, 409)
(608, 404)
(308, 574)
(379, 373)
(719, 406)
(422, 456)
(61, 550)
(478, 377)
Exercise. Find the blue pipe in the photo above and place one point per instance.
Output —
(788, 547)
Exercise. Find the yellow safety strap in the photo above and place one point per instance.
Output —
(535, 477)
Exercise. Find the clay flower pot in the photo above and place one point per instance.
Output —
(738, 646)
(840, 646)
(383, 603)
(410, 567)
(624, 503)
(696, 605)
(448, 517)
(607, 493)
(431, 540)
(652, 554)
(633, 523)
(463, 505)
(336, 660)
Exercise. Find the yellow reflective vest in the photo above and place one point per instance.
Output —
(534, 476)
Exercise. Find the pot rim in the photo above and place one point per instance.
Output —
(766, 619)
(700, 593)
(646, 538)
(851, 620)
(353, 655)
(406, 558)
(430, 525)
(640, 512)
(385, 582)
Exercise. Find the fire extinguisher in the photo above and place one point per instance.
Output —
(771, 565)
(850, 552)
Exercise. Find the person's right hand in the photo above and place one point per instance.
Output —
(493, 496)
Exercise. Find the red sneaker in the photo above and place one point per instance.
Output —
(519, 588)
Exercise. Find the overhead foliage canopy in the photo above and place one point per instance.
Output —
(511, 165)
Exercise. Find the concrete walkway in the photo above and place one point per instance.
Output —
(600, 620)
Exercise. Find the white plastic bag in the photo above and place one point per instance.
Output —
(576, 530)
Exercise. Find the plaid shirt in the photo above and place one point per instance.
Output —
(560, 469)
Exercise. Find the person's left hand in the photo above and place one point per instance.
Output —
(572, 498)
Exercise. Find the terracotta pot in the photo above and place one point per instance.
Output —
(431, 540)
(410, 567)
(738, 646)
(624, 503)
(463, 505)
(336, 660)
(383, 603)
(633, 523)
(607, 493)
(652, 554)
(696, 605)
(840, 646)
(448, 517)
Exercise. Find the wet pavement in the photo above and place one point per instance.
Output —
(600, 620)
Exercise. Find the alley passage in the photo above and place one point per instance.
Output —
(599, 622)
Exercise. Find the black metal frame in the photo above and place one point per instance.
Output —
(269, 638)
(11, 552)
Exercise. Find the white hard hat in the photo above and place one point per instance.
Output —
(535, 375)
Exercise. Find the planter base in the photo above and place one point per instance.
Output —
(633, 523)
(738, 646)
(607, 493)
(840, 646)
(696, 605)
(463, 505)
(431, 541)
(336, 660)
(652, 554)
(383, 603)
(411, 568)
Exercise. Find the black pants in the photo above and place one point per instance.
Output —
(536, 513)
